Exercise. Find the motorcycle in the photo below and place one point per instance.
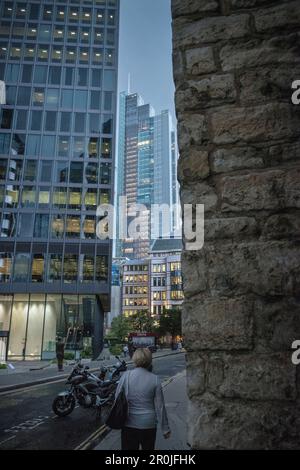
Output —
(88, 389)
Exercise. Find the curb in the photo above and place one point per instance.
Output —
(9, 388)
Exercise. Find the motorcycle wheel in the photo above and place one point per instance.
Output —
(63, 407)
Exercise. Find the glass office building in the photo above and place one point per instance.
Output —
(147, 169)
(58, 60)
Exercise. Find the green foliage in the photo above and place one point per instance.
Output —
(170, 322)
(87, 352)
(142, 322)
(120, 327)
(69, 356)
(116, 349)
(3, 366)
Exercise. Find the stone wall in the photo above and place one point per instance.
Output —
(234, 63)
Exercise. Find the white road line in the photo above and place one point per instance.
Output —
(9, 439)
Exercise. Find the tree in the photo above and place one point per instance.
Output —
(120, 327)
(170, 322)
(142, 322)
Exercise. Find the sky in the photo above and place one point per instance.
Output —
(145, 51)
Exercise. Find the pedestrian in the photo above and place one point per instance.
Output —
(125, 350)
(60, 352)
(179, 346)
(146, 405)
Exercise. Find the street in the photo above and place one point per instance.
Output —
(28, 422)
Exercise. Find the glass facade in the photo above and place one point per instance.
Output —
(57, 138)
(33, 322)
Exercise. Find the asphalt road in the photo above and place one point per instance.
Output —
(28, 422)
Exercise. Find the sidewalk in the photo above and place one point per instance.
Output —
(176, 405)
(29, 373)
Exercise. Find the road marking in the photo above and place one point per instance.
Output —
(9, 439)
(92, 437)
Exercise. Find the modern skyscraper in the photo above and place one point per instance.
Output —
(57, 137)
(147, 166)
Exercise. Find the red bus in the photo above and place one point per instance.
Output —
(142, 340)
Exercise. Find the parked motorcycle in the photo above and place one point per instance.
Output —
(88, 389)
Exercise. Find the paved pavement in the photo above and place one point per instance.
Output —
(176, 405)
(26, 373)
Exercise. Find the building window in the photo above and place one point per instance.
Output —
(36, 120)
(76, 172)
(95, 100)
(71, 54)
(21, 120)
(52, 97)
(106, 148)
(67, 99)
(50, 121)
(60, 198)
(29, 52)
(91, 173)
(79, 147)
(61, 172)
(68, 77)
(18, 144)
(47, 12)
(74, 201)
(40, 74)
(45, 33)
(43, 53)
(33, 145)
(65, 122)
(63, 146)
(58, 34)
(25, 225)
(57, 226)
(44, 197)
(5, 268)
(70, 268)
(94, 123)
(89, 227)
(81, 78)
(37, 270)
(12, 73)
(90, 199)
(8, 225)
(6, 118)
(88, 268)
(107, 124)
(79, 123)
(80, 99)
(38, 98)
(46, 171)
(101, 268)
(28, 196)
(73, 226)
(24, 94)
(30, 172)
(48, 146)
(21, 267)
(96, 78)
(54, 268)
(54, 75)
(15, 170)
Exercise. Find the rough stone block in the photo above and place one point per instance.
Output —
(193, 165)
(237, 158)
(267, 190)
(200, 193)
(200, 61)
(270, 268)
(258, 377)
(260, 123)
(233, 424)
(278, 16)
(277, 324)
(206, 92)
(280, 226)
(233, 228)
(187, 33)
(268, 83)
(237, 4)
(257, 53)
(192, 130)
(187, 7)
(223, 324)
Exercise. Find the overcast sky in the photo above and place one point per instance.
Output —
(146, 51)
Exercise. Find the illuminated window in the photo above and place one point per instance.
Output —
(29, 52)
(15, 52)
(43, 53)
(97, 56)
(74, 201)
(60, 198)
(57, 226)
(73, 226)
(89, 227)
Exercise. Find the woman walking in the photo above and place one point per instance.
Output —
(146, 405)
